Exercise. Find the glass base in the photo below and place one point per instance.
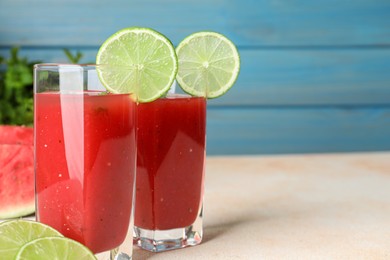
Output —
(113, 255)
(164, 240)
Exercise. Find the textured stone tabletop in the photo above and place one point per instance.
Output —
(320, 206)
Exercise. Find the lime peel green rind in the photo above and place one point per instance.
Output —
(209, 64)
(140, 61)
(49, 248)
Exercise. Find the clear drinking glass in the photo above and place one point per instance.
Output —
(85, 158)
(170, 172)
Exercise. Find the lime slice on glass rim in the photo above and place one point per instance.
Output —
(49, 248)
(146, 61)
(209, 64)
(15, 233)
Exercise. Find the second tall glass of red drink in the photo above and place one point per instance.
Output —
(170, 172)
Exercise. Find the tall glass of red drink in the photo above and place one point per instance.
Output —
(170, 172)
(85, 158)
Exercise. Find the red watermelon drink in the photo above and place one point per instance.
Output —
(85, 154)
(171, 144)
(170, 172)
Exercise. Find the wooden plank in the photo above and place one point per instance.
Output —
(297, 130)
(248, 23)
(291, 77)
(312, 77)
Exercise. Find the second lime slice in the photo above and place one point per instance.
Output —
(209, 64)
(145, 63)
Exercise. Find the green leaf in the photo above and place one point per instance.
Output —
(73, 58)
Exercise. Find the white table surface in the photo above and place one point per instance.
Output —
(318, 206)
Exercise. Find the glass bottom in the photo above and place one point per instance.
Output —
(164, 240)
(113, 255)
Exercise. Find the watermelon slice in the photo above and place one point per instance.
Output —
(16, 171)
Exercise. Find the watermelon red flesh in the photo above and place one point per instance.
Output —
(16, 172)
(16, 134)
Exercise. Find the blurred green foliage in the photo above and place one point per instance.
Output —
(16, 87)
(16, 90)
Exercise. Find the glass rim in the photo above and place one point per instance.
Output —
(86, 66)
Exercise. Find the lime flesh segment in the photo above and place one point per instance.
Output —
(144, 63)
(15, 233)
(209, 64)
(49, 248)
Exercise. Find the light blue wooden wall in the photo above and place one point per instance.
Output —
(315, 74)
